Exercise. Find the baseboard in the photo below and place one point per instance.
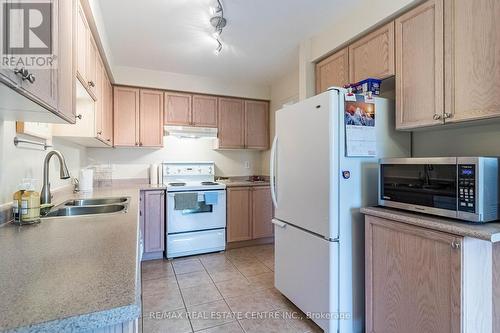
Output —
(252, 242)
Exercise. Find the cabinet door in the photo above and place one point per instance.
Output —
(373, 55)
(204, 111)
(108, 125)
(178, 109)
(256, 124)
(419, 66)
(82, 39)
(99, 103)
(151, 118)
(126, 116)
(239, 219)
(67, 59)
(91, 67)
(472, 60)
(332, 71)
(231, 123)
(154, 221)
(413, 279)
(262, 212)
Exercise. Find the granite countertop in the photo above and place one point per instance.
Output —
(486, 231)
(72, 273)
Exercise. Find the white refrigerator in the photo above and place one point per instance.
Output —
(317, 192)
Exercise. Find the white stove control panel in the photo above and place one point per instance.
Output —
(188, 172)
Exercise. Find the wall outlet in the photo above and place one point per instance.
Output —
(247, 165)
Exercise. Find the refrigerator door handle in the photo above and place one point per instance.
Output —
(278, 223)
(272, 171)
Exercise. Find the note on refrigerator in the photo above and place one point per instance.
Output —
(360, 135)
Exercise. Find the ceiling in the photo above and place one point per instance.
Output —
(260, 41)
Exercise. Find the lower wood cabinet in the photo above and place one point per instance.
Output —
(249, 213)
(422, 280)
(152, 219)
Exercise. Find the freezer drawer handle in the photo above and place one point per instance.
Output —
(278, 223)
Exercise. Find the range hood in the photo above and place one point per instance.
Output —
(191, 132)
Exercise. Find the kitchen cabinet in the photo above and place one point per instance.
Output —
(151, 118)
(262, 212)
(249, 213)
(256, 125)
(178, 109)
(231, 123)
(107, 116)
(333, 71)
(125, 116)
(204, 111)
(152, 220)
(472, 66)
(137, 117)
(43, 95)
(423, 280)
(419, 60)
(87, 55)
(372, 56)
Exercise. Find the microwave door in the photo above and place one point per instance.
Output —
(430, 188)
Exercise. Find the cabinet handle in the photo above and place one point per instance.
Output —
(140, 144)
(455, 244)
(79, 116)
(23, 72)
(30, 78)
(91, 84)
(99, 132)
(137, 143)
(436, 116)
(447, 115)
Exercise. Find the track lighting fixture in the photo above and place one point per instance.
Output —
(218, 21)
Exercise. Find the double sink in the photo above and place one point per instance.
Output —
(79, 207)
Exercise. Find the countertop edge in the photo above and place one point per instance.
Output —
(490, 232)
(87, 322)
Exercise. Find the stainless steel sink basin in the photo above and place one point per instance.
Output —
(95, 201)
(85, 210)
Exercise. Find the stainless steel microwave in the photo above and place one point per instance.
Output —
(465, 188)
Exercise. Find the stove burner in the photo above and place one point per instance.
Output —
(209, 183)
(177, 184)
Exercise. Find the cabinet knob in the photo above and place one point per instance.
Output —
(30, 78)
(91, 84)
(140, 144)
(79, 116)
(21, 71)
(455, 244)
(436, 116)
(447, 115)
(109, 140)
(99, 132)
(137, 143)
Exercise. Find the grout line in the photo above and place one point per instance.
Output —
(182, 297)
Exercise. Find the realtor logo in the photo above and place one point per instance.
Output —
(28, 33)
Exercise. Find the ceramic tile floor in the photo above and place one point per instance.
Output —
(230, 292)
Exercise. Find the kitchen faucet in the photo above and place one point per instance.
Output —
(46, 196)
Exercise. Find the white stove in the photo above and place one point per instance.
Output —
(197, 225)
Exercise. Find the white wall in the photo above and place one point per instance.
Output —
(183, 82)
(283, 91)
(18, 163)
(134, 162)
(472, 140)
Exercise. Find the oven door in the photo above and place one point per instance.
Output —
(418, 184)
(205, 217)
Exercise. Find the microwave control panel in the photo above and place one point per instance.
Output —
(467, 188)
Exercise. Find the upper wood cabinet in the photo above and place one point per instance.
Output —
(138, 117)
(249, 213)
(333, 71)
(107, 120)
(419, 66)
(126, 116)
(87, 55)
(231, 123)
(262, 212)
(178, 109)
(373, 55)
(256, 125)
(472, 60)
(204, 111)
(151, 118)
